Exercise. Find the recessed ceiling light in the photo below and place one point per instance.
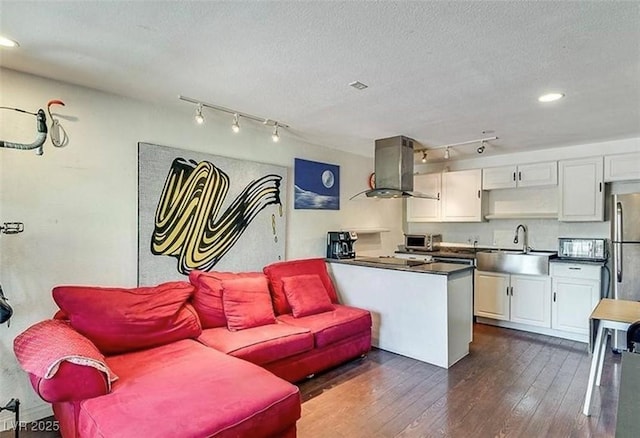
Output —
(550, 97)
(358, 85)
(6, 42)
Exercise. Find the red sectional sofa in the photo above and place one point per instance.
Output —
(212, 357)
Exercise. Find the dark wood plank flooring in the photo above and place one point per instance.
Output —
(512, 384)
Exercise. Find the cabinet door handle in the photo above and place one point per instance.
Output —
(554, 297)
(514, 176)
(573, 268)
(478, 194)
(519, 176)
(600, 187)
(507, 290)
(511, 290)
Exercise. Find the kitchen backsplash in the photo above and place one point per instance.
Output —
(543, 233)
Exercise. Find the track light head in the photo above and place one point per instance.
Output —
(447, 155)
(424, 156)
(481, 148)
(235, 127)
(199, 117)
(275, 136)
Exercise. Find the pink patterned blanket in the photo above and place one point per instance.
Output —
(44, 346)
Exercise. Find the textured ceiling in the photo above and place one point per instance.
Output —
(440, 72)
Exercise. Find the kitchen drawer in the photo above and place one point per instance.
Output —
(576, 270)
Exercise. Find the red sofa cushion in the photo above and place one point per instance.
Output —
(330, 327)
(260, 345)
(306, 295)
(188, 390)
(247, 303)
(118, 320)
(276, 271)
(207, 299)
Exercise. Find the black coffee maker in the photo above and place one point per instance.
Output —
(340, 244)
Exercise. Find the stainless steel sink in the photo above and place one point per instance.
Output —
(515, 262)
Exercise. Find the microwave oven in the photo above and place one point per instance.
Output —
(582, 249)
(422, 242)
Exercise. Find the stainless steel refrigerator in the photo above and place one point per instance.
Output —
(625, 242)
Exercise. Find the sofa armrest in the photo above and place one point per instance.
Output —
(62, 364)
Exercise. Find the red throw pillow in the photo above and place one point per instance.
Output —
(306, 295)
(119, 320)
(207, 298)
(247, 303)
(277, 271)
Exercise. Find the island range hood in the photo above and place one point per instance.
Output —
(394, 170)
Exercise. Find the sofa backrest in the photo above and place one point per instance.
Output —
(119, 320)
(277, 271)
(207, 298)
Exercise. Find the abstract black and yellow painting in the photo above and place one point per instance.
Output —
(205, 212)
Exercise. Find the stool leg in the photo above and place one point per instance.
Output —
(597, 351)
(603, 351)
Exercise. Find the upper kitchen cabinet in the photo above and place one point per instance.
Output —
(622, 167)
(524, 175)
(462, 196)
(425, 210)
(581, 194)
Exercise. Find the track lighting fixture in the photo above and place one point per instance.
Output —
(236, 124)
(236, 117)
(447, 148)
(199, 116)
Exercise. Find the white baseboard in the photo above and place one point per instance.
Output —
(530, 328)
(27, 415)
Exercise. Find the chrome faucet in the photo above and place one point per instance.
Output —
(525, 243)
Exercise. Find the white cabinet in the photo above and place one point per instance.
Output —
(503, 177)
(462, 196)
(581, 194)
(425, 210)
(576, 291)
(531, 300)
(524, 175)
(491, 295)
(622, 167)
(523, 299)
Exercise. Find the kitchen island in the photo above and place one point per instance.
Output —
(419, 310)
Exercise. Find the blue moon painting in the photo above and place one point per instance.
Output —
(317, 185)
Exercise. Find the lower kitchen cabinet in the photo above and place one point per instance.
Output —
(558, 305)
(491, 295)
(523, 299)
(576, 292)
(531, 300)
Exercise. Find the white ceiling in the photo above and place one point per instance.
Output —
(439, 72)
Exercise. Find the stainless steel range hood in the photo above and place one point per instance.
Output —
(394, 170)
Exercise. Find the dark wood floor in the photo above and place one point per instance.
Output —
(512, 384)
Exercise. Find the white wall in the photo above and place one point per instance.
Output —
(79, 203)
(543, 233)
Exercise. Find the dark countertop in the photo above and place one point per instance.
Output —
(467, 254)
(580, 262)
(425, 268)
(460, 252)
